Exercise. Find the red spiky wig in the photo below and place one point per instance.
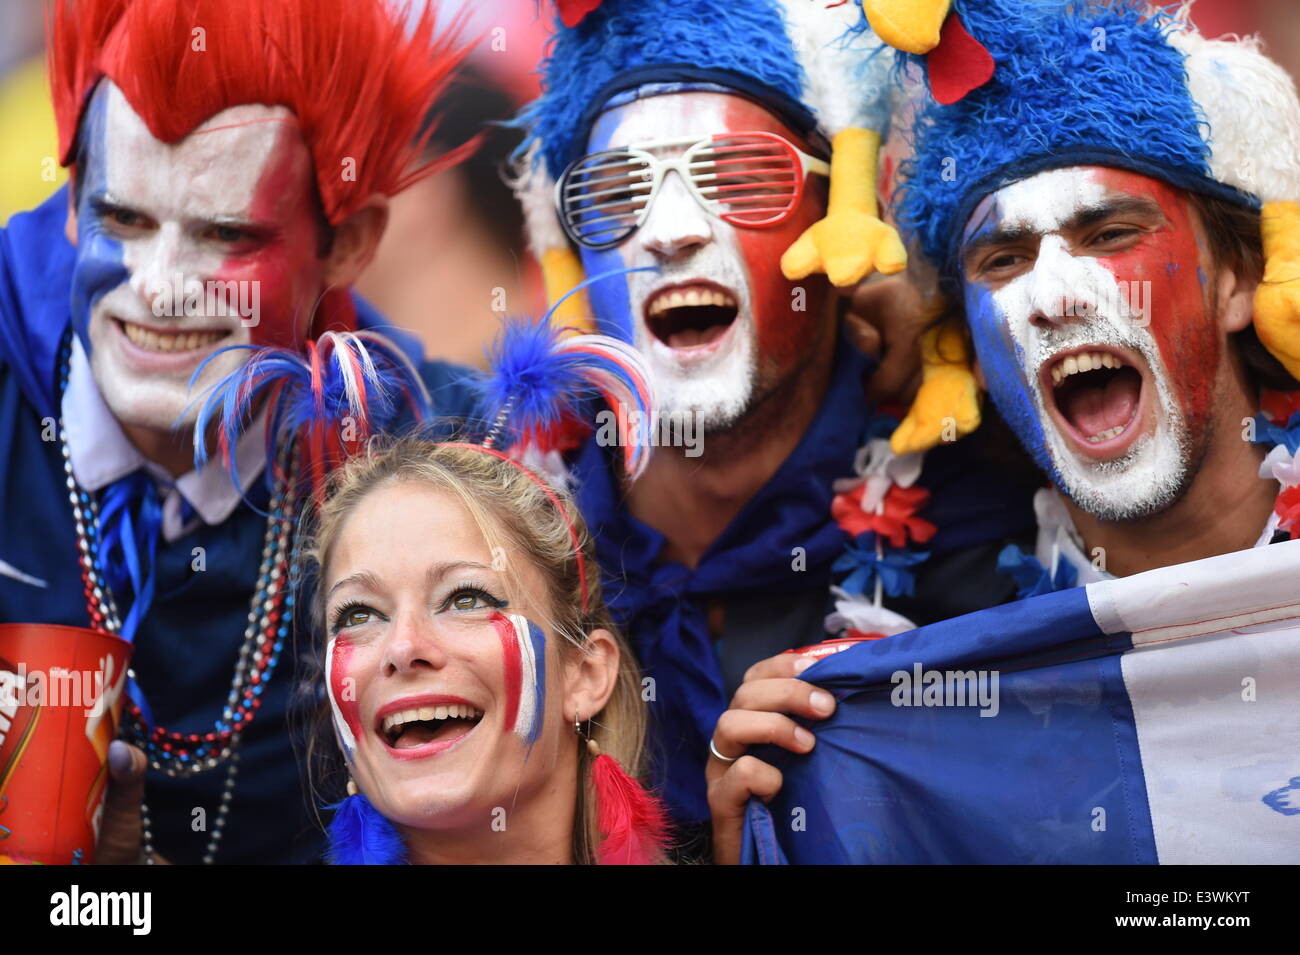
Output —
(359, 75)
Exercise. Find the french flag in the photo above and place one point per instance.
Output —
(1149, 719)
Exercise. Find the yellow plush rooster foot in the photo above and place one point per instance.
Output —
(561, 272)
(909, 25)
(947, 404)
(848, 246)
(1277, 300)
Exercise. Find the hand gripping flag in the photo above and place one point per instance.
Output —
(1148, 719)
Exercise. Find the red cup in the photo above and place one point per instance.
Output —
(61, 696)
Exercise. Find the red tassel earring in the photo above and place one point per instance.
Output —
(632, 822)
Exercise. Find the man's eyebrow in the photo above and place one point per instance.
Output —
(1006, 236)
(1129, 205)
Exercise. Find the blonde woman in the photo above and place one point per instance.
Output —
(486, 707)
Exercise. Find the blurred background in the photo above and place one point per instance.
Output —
(454, 250)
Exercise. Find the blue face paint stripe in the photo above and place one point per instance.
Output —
(538, 640)
(100, 260)
(1003, 363)
(611, 299)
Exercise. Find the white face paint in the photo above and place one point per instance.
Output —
(1062, 314)
(695, 252)
(217, 245)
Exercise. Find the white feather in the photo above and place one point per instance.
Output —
(1253, 114)
(535, 190)
(843, 83)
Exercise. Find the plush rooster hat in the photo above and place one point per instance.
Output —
(801, 59)
(1121, 83)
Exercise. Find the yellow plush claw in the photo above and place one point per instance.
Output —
(947, 405)
(561, 271)
(1277, 301)
(851, 242)
(909, 25)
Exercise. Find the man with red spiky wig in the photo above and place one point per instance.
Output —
(232, 161)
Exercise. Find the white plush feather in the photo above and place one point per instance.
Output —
(1253, 114)
(843, 84)
(535, 190)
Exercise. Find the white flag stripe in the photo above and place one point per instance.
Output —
(1247, 588)
(1218, 727)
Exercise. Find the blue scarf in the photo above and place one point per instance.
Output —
(662, 606)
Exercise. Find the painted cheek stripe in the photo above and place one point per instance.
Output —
(523, 649)
(512, 666)
(346, 720)
(531, 636)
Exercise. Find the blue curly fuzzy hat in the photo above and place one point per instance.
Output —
(1077, 82)
(624, 44)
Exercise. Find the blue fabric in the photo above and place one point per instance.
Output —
(1031, 577)
(621, 36)
(662, 605)
(889, 783)
(1071, 80)
(130, 521)
(187, 644)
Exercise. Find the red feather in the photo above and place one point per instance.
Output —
(632, 822)
(959, 64)
(572, 11)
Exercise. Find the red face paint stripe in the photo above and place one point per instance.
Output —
(512, 667)
(338, 673)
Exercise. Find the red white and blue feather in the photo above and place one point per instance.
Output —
(542, 384)
(333, 396)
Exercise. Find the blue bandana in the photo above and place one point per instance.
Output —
(662, 606)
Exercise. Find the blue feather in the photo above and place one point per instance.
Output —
(367, 401)
(539, 378)
(360, 835)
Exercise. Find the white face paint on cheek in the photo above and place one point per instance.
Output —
(180, 189)
(340, 685)
(1149, 474)
(716, 387)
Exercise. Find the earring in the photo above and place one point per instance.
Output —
(592, 746)
(352, 787)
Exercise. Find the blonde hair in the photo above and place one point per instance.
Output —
(513, 512)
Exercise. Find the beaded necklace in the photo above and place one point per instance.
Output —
(270, 618)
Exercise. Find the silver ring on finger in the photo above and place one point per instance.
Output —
(714, 750)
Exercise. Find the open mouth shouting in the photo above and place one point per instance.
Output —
(419, 727)
(691, 316)
(1097, 396)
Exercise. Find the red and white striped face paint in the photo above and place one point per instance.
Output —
(438, 687)
(1093, 320)
(187, 248)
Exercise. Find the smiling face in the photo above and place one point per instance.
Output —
(187, 248)
(1088, 296)
(446, 688)
(718, 324)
